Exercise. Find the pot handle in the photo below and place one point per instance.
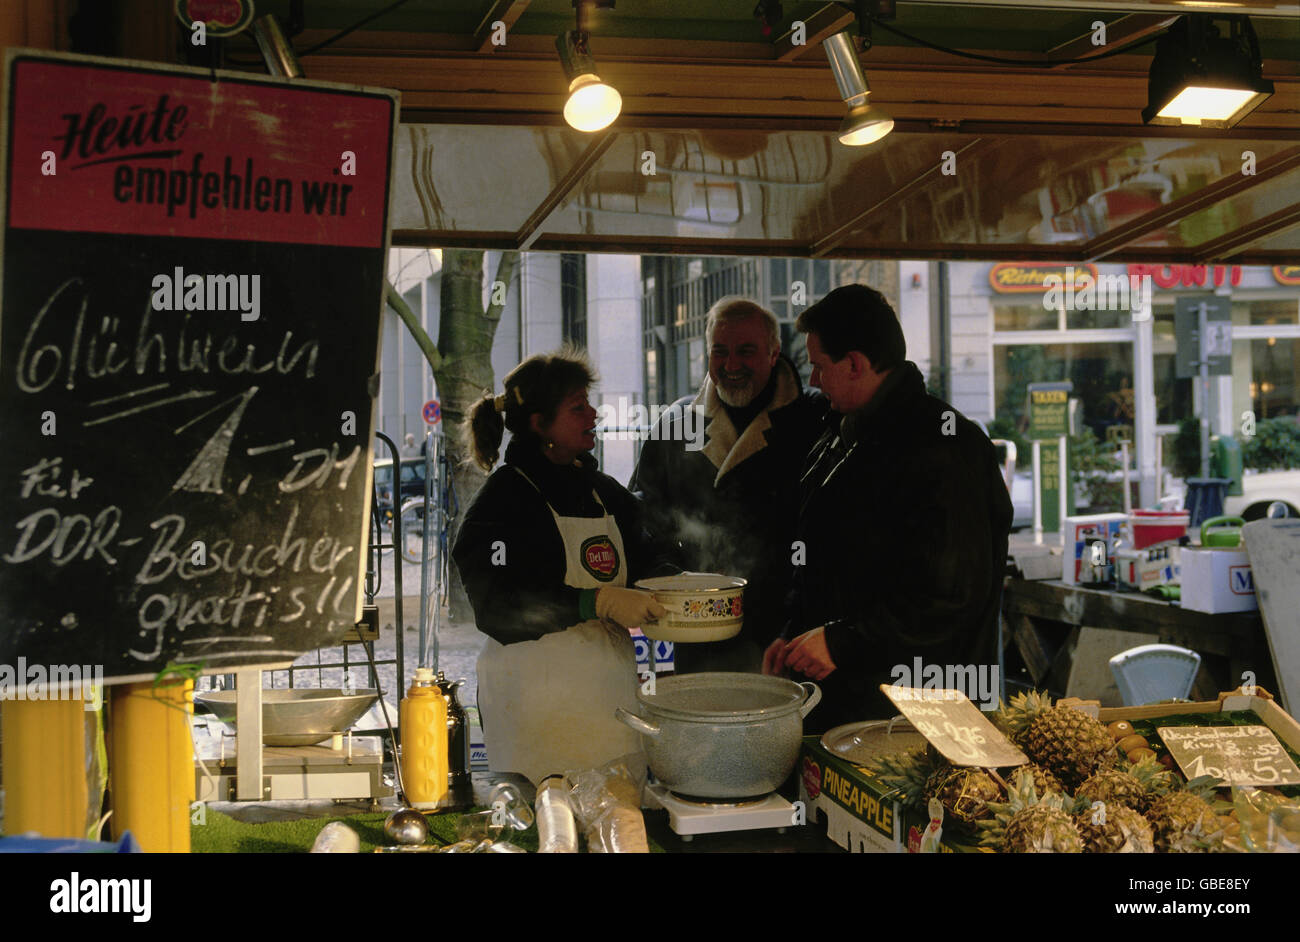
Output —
(814, 697)
(638, 724)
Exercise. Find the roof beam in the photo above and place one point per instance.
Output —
(532, 227)
(506, 11)
(1119, 33)
(1111, 242)
(1248, 235)
(841, 234)
(826, 22)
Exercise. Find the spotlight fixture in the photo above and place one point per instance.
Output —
(592, 104)
(865, 123)
(1201, 77)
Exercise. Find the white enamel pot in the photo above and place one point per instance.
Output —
(722, 736)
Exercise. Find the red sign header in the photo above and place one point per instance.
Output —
(152, 153)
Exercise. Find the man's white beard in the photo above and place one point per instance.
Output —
(738, 398)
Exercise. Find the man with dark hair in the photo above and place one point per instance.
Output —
(903, 518)
(728, 507)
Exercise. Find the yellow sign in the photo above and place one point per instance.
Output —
(1028, 278)
(1287, 274)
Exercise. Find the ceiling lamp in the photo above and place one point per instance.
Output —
(592, 104)
(1200, 77)
(865, 123)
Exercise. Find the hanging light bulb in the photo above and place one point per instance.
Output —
(592, 104)
(865, 123)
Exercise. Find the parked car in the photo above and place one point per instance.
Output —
(1260, 490)
(410, 484)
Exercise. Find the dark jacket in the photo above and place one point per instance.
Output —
(730, 506)
(906, 534)
(525, 596)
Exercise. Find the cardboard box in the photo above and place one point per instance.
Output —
(1150, 566)
(860, 817)
(1217, 580)
(1080, 532)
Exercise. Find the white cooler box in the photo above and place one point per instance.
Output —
(1217, 580)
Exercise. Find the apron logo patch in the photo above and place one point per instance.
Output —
(600, 558)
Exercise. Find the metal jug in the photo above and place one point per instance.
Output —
(460, 791)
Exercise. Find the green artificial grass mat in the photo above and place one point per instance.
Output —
(222, 834)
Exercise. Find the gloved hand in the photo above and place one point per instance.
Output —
(627, 607)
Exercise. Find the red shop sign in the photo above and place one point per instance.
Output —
(1187, 276)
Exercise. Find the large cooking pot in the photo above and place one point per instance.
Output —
(722, 737)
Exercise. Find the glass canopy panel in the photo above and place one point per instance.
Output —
(477, 178)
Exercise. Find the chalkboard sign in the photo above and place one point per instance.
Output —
(955, 726)
(1239, 755)
(193, 269)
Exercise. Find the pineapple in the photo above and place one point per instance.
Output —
(1070, 744)
(1184, 823)
(1026, 824)
(964, 792)
(1121, 830)
(907, 773)
(1044, 781)
(1133, 785)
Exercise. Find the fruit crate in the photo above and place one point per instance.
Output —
(859, 816)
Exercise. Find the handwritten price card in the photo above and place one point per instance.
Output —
(955, 726)
(1239, 755)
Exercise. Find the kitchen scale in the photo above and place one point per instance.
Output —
(343, 767)
(688, 818)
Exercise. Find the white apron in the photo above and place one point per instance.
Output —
(547, 706)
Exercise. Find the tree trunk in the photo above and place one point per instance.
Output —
(465, 334)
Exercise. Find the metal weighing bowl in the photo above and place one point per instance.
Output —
(301, 716)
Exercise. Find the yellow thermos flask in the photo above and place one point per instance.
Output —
(423, 721)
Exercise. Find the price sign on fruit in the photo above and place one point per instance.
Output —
(955, 726)
(1239, 755)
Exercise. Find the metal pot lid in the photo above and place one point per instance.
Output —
(723, 698)
(861, 742)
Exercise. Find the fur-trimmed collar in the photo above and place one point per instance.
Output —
(723, 446)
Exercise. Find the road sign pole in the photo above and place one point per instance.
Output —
(1038, 491)
(1063, 476)
(1202, 312)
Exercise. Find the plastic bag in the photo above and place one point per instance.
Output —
(1270, 824)
(607, 803)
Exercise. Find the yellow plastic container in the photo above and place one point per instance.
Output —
(423, 720)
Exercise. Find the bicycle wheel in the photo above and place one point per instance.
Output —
(413, 530)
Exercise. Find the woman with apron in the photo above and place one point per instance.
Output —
(546, 553)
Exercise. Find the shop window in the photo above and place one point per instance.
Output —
(1266, 312)
(696, 363)
(1173, 395)
(778, 286)
(1024, 317)
(821, 277)
(1102, 374)
(1076, 320)
(1275, 377)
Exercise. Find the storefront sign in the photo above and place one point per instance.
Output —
(1188, 276)
(193, 281)
(1218, 335)
(1028, 278)
(1049, 410)
(1049, 485)
(1286, 274)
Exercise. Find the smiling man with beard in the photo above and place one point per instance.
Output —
(729, 507)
